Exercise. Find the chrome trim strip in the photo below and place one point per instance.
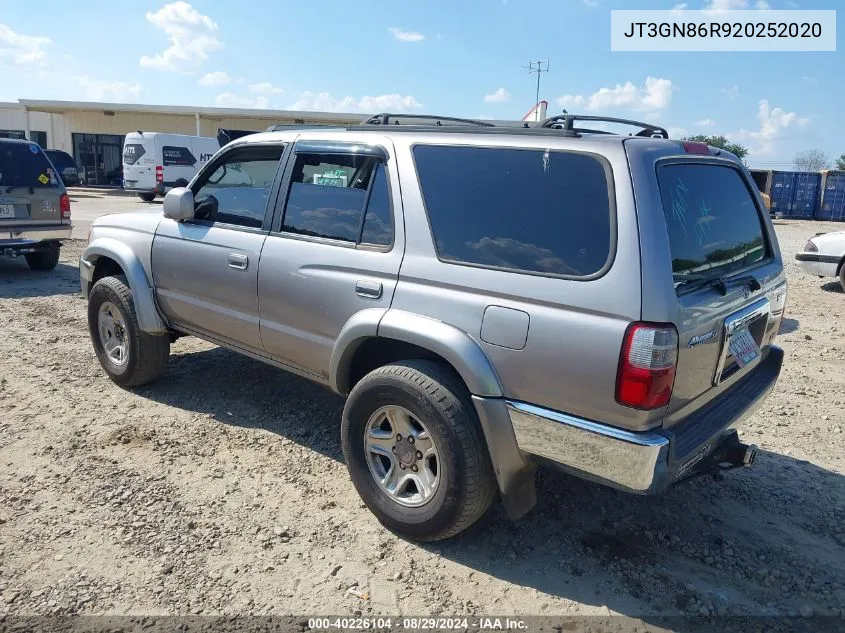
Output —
(637, 462)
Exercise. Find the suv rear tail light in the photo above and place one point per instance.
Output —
(159, 173)
(64, 206)
(647, 366)
(696, 147)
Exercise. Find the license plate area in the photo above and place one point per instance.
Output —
(743, 338)
(7, 211)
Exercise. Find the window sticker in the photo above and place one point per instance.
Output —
(331, 178)
(33, 148)
(43, 179)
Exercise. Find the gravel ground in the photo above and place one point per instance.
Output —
(221, 490)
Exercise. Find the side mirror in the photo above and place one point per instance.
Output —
(179, 204)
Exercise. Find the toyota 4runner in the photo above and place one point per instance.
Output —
(487, 297)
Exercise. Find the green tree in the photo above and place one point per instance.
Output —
(840, 163)
(740, 151)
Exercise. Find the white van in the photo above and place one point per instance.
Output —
(155, 162)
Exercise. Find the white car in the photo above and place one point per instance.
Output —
(824, 255)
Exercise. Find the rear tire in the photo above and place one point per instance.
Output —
(439, 408)
(147, 197)
(130, 356)
(46, 259)
(180, 183)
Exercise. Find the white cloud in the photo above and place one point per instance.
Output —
(500, 96)
(655, 94)
(192, 37)
(733, 5)
(22, 49)
(591, 3)
(325, 102)
(405, 36)
(774, 122)
(118, 91)
(218, 78)
(265, 88)
(679, 8)
(732, 92)
(705, 123)
(677, 132)
(232, 100)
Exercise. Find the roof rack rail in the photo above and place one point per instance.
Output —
(566, 122)
(384, 118)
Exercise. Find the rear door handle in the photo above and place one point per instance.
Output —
(238, 261)
(368, 289)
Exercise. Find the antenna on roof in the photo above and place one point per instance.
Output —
(538, 68)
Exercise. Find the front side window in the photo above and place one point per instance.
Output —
(340, 197)
(533, 210)
(237, 189)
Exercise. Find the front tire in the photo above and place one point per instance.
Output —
(46, 259)
(430, 487)
(130, 356)
(842, 276)
(147, 197)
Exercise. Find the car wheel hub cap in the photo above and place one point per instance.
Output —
(402, 456)
(112, 329)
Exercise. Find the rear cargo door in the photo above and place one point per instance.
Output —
(30, 188)
(139, 161)
(725, 269)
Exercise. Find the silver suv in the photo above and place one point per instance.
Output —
(488, 298)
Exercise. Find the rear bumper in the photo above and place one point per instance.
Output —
(158, 189)
(816, 264)
(641, 462)
(28, 236)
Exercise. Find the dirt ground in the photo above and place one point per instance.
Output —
(221, 489)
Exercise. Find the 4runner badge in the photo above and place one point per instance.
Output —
(702, 338)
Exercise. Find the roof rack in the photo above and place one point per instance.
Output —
(566, 122)
(384, 118)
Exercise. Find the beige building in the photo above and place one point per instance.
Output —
(93, 132)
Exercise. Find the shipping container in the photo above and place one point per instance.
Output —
(805, 195)
(783, 182)
(795, 194)
(763, 180)
(832, 205)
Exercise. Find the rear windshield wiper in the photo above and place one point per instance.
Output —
(720, 283)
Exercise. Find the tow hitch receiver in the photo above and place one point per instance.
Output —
(730, 454)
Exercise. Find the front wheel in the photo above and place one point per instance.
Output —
(414, 450)
(147, 197)
(842, 276)
(45, 259)
(130, 356)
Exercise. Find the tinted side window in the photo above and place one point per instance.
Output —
(236, 191)
(328, 195)
(522, 209)
(378, 222)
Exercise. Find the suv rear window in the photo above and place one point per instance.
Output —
(527, 210)
(25, 165)
(712, 219)
(59, 158)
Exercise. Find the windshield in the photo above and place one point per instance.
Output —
(712, 219)
(25, 165)
(60, 159)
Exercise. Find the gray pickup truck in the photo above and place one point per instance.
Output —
(488, 298)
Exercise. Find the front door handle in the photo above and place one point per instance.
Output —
(368, 289)
(238, 261)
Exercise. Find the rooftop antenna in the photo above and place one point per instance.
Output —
(538, 68)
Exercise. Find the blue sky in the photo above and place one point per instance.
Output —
(459, 58)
